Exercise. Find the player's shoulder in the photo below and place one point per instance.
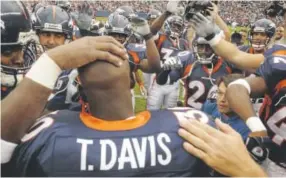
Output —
(276, 63)
(279, 49)
(48, 124)
(135, 47)
(178, 113)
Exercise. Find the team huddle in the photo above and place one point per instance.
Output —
(80, 76)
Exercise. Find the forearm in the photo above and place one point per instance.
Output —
(250, 169)
(153, 56)
(232, 54)
(158, 23)
(223, 26)
(21, 108)
(239, 101)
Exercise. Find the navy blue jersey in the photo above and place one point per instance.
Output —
(199, 85)
(136, 53)
(168, 48)
(273, 111)
(68, 143)
(65, 91)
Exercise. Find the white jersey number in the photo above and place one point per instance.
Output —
(192, 100)
(167, 53)
(280, 132)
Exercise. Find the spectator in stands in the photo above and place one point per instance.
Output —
(244, 35)
(279, 33)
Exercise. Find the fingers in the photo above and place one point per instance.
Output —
(112, 48)
(194, 151)
(205, 127)
(108, 39)
(225, 128)
(194, 130)
(193, 140)
(107, 56)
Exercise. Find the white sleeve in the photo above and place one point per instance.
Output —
(7, 149)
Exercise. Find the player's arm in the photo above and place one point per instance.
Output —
(223, 48)
(232, 54)
(219, 21)
(21, 107)
(152, 63)
(238, 95)
(172, 8)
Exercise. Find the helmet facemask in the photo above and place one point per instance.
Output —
(203, 52)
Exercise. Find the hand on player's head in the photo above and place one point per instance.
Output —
(88, 49)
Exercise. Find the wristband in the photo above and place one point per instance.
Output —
(213, 40)
(254, 124)
(148, 36)
(243, 83)
(7, 149)
(45, 72)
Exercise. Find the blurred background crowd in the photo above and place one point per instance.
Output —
(241, 13)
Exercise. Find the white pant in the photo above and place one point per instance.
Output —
(165, 96)
(148, 79)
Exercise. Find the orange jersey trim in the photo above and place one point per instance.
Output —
(280, 85)
(280, 52)
(161, 39)
(216, 67)
(120, 125)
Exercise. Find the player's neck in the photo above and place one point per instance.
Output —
(111, 104)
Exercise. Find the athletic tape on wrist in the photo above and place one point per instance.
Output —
(7, 149)
(215, 40)
(243, 83)
(45, 71)
(255, 124)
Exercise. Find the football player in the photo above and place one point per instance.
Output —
(271, 66)
(14, 123)
(151, 16)
(18, 50)
(110, 140)
(270, 80)
(260, 36)
(169, 45)
(143, 57)
(199, 70)
(54, 27)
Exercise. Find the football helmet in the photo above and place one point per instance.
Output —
(174, 26)
(53, 19)
(126, 11)
(117, 25)
(261, 26)
(16, 35)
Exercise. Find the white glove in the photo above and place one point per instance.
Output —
(172, 63)
(203, 26)
(140, 26)
(172, 6)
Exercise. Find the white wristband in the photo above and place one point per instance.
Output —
(216, 39)
(45, 71)
(7, 149)
(255, 124)
(241, 82)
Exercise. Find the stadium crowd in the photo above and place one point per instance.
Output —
(68, 82)
(240, 12)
